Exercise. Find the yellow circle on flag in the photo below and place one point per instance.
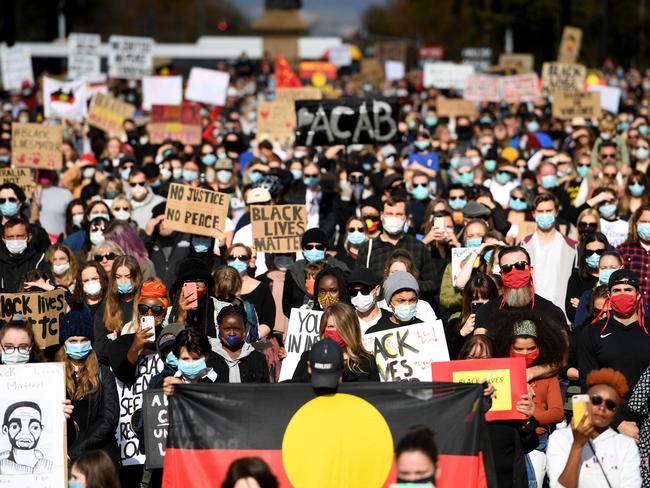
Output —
(337, 440)
(318, 79)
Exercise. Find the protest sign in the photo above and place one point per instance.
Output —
(131, 400)
(447, 75)
(36, 146)
(83, 55)
(567, 105)
(340, 55)
(207, 86)
(428, 52)
(562, 77)
(394, 70)
(508, 375)
(390, 50)
(195, 210)
(43, 310)
(302, 332)
(455, 107)
(108, 113)
(31, 396)
(16, 64)
(406, 352)
(278, 228)
(176, 122)
(483, 88)
(570, 45)
(317, 71)
(519, 88)
(156, 423)
(478, 57)
(521, 63)
(66, 100)
(346, 121)
(161, 90)
(276, 121)
(610, 97)
(371, 72)
(460, 257)
(301, 93)
(130, 57)
(22, 177)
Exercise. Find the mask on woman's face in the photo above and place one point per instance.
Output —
(15, 357)
(327, 299)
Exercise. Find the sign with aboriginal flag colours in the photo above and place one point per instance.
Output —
(278, 228)
(345, 439)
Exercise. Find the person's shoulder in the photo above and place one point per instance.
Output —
(561, 436)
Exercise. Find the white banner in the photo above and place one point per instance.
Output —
(207, 86)
(447, 75)
(130, 57)
(302, 332)
(16, 63)
(83, 55)
(65, 99)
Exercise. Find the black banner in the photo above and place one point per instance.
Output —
(156, 422)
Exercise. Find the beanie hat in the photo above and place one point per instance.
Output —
(155, 289)
(399, 281)
(314, 235)
(77, 322)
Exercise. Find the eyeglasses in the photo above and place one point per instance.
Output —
(108, 256)
(462, 197)
(143, 309)
(355, 291)
(10, 199)
(520, 265)
(591, 252)
(587, 225)
(318, 247)
(21, 349)
(585, 165)
(243, 259)
(356, 229)
(611, 405)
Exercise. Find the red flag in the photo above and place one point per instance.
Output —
(284, 75)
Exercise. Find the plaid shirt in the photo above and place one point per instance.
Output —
(382, 251)
(637, 260)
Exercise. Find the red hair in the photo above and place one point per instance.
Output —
(609, 377)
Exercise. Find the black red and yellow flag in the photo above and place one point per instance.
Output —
(341, 440)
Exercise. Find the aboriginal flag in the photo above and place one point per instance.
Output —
(345, 439)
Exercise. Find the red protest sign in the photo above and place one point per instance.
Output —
(176, 122)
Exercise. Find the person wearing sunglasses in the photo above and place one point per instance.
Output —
(142, 198)
(591, 453)
(363, 287)
(588, 222)
(18, 255)
(105, 254)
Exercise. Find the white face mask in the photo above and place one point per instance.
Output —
(60, 269)
(224, 176)
(77, 219)
(139, 192)
(393, 225)
(177, 173)
(16, 246)
(97, 237)
(88, 173)
(92, 288)
(363, 303)
(165, 174)
(122, 214)
(15, 357)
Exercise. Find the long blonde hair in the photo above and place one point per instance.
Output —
(347, 325)
(87, 375)
(69, 277)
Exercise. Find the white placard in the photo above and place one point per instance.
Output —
(394, 70)
(130, 57)
(83, 55)
(302, 332)
(16, 63)
(161, 90)
(610, 97)
(65, 100)
(340, 55)
(32, 442)
(207, 86)
(459, 259)
(447, 75)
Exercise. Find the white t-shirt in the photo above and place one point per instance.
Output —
(500, 193)
(616, 231)
(549, 276)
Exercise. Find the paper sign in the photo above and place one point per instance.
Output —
(522, 63)
(43, 310)
(562, 77)
(479, 57)
(207, 86)
(83, 55)
(483, 88)
(16, 63)
(447, 75)
(394, 70)
(31, 396)
(67, 100)
(108, 113)
(570, 45)
(340, 55)
(508, 375)
(610, 97)
(278, 228)
(455, 107)
(293, 94)
(18, 176)
(520, 88)
(161, 90)
(36, 146)
(130, 57)
(276, 121)
(567, 105)
(460, 257)
(406, 353)
(302, 332)
(195, 210)
(156, 423)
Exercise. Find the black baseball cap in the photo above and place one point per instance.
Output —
(623, 276)
(326, 360)
(363, 276)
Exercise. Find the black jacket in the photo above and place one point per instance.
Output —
(367, 365)
(13, 268)
(167, 266)
(328, 208)
(252, 368)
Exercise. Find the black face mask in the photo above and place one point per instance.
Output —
(429, 479)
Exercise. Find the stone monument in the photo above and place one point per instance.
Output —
(280, 27)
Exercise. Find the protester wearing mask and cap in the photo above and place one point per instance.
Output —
(401, 292)
(18, 255)
(363, 287)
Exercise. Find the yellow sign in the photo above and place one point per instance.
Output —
(500, 379)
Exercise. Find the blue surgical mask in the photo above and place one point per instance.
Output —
(517, 205)
(582, 171)
(238, 265)
(604, 275)
(549, 181)
(607, 211)
(431, 121)
(297, 174)
(422, 145)
(189, 175)
(592, 261)
(314, 255)
(623, 126)
(458, 204)
(454, 162)
(311, 181)
(193, 369)
(201, 244)
(9, 209)
(355, 238)
(545, 221)
(643, 229)
(487, 257)
(76, 484)
(209, 159)
(171, 360)
(466, 178)
(125, 173)
(643, 130)
(636, 189)
(404, 313)
(490, 165)
(474, 242)
(124, 288)
(532, 126)
(255, 176)
(420, 192)
(78, 351)
(503, 177)
(5, 159)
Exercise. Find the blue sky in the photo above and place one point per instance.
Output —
(328, 17)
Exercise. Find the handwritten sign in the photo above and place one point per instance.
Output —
(519, 88)
(22, 177)
(278, 228)
(83, 55)
(276, 121)
(298, 93)
(130, 57)
(176, 122)
(460, 257)
(483, 88)
(570, 45)
(302, 332)
(567, 105)
(562, 77)
(508, 375)
(108, 113)
(406, 353)
(447, 75)
(455, 107)
(195, 210)
(156, 423)
(521, 63)
(16, 64)
(36, 146)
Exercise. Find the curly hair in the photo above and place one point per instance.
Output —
(609, 377)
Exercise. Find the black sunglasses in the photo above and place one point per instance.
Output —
(356, 229)
(10, 199)
(586, 225)
(243, 259)
(423, 185)
(155, 309)
(519, 199)
(100, 257)
(611, 405)
(355, 291)
(591, 252)
(318, 247)
(520, 265)
(138, 184)
(457, 198)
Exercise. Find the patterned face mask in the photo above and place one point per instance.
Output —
(327, 299)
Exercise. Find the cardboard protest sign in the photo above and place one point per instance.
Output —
(108, 113)
(390, 50)
(508, 375)
(301, 93)
(31, 396)
(278, 228)
(207, 86)
(276, 121)
(520, 88)
(478, 57)
(567, 105)
(346, 121)
(43, 310)
(156, 423)
(302, 332)
(66, 100)
(406, 353)
(562, 77)
(455, 107)
(176, 122)
(131, 399)
(36, 146)
(483, 88)
(460, 257)
(83, 55)
(22, 177)
(161, 90)
(447, 75)
(130, 57)
(195, 210)
(522, 63)
(16, 64)
(610, 97)
(570, 45)
(394, 70)
(372, 71)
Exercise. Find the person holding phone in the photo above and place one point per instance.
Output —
(591, 454)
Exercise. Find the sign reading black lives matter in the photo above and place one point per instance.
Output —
(278, 228)
(346, 121)
(156, 423)
(302, 332)
(195, 210)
